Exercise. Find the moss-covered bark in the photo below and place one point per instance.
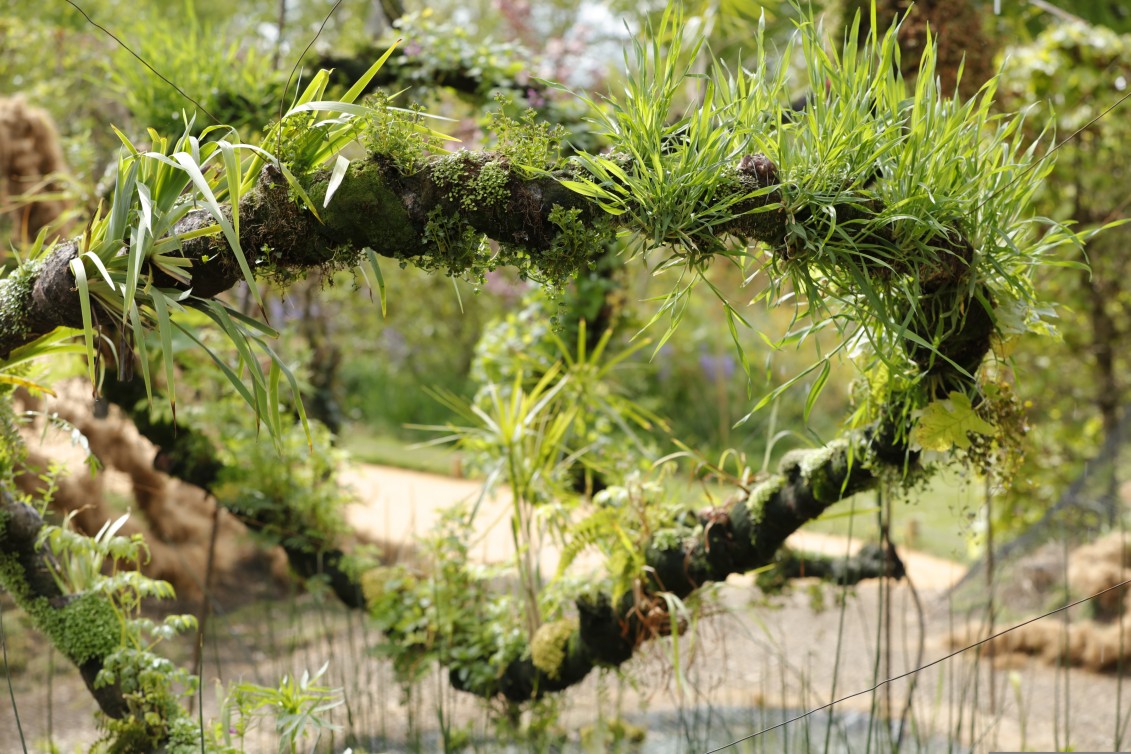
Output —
(434, 217)
(85, 628)
(748, 535)
(871, 562)
(190, 456)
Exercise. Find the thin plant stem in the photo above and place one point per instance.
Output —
(205, 599)
(938, 661)
(200, 699)
(840, 624)
(8, 675)
(885, 605)
(920, 651)
(1117, 504)
(990, 609)
(50, 693)
(877, 668)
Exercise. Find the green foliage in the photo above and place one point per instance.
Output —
(530, 145)
(672, 182)
(288, 488)
(101, 621)
(152, 686)
(153, 192)
(888, 193)
(297, 705)
(398, 134)
(233, 82)
(618, 525)
(475, 181)
(449, 616)
(1068, 75)
(947, 423)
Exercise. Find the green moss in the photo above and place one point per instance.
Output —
(549, 646)
(615, 731)
(761, 494)
(364, 211)
(817, 470)
(451, 171)
(474, 181)
(489, 188)
(15, 302)
(84, 628)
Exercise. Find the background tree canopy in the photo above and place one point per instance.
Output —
(792, 255)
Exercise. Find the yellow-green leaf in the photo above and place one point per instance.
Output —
(947, 423)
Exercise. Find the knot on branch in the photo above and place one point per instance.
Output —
(760, 167)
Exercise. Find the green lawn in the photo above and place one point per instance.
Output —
(367, 446)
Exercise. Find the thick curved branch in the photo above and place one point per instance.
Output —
(190, 456)
(736, 540)
(425, 216)
(430, 216)
(745, 536)
(872, 561)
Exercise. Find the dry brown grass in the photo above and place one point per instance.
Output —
(176, 519)
(1093, 638)
(31, 159)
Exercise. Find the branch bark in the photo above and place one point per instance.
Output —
(376, 207)
(737, 539)
(81, 626)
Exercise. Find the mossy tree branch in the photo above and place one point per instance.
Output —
(190, 455)
(435, 217)
(84, 627)
(745, 536)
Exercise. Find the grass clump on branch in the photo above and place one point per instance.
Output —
(894, 213)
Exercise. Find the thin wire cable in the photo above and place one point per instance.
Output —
(1054, 150)
(298, 62)
(143, 61)
(921, 668)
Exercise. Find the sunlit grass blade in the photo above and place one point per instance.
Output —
(341, 165)
(233, 378)
(165, 333)
(359, 86)
(193, 170)
(138, 328)
(375, 265)
(79, 271)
